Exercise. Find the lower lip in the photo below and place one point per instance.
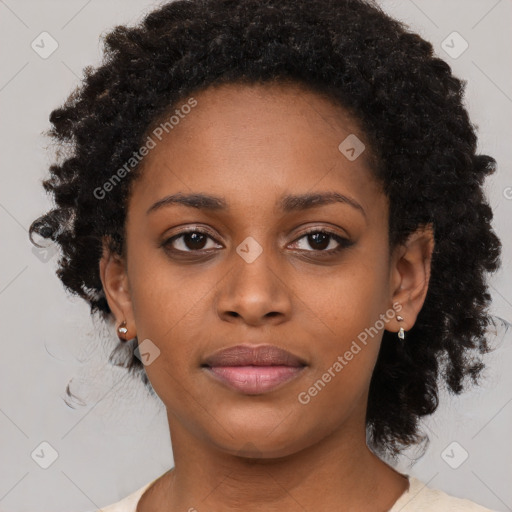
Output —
(253, 380)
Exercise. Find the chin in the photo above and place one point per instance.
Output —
(262, 444)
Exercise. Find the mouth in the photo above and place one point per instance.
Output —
(253, 370)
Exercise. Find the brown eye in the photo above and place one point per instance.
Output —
(319, 240)
(188, 241)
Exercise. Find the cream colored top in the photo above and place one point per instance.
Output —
(418, 498)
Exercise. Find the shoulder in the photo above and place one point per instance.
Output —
(128, 504)
(421, 498)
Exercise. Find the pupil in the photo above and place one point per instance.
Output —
(325, 237)
(193, 240)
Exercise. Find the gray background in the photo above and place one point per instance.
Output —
(118, 440)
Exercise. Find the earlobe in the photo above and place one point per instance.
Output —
(411, 274)
(114, 279)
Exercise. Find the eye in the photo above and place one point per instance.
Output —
(191, 240)
(196, 240)
(319, 240)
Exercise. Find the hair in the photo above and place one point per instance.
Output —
(410, 108)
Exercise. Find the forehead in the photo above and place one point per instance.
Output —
(246, 141)
(287, 109)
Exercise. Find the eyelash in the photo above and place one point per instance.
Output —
(343, 242)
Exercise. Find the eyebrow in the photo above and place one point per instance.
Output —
(288, 203)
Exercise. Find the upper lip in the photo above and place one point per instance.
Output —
(261, 355)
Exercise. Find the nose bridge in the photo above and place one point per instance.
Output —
(253, 288)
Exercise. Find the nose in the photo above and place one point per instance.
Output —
(255, 293)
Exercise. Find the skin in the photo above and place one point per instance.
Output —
(251, 145)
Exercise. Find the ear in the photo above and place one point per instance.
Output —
(410, 274)
(114, 279)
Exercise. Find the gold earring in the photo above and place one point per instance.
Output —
(122, 330)
(401, 332)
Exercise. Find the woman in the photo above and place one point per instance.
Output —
(279, 204)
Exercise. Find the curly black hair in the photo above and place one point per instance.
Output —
(410, 107)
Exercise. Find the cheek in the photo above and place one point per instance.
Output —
(171, 307)
(342, 362)
(344, 302)
(344, 320)
(166, 309)
(164, 298)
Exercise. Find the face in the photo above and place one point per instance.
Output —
(260, 264)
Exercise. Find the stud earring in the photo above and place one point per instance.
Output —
(401, 332)
(122, 330)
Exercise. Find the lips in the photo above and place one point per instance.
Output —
(262, 355)
(253, 370)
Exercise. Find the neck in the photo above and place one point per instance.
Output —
(337, 471)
